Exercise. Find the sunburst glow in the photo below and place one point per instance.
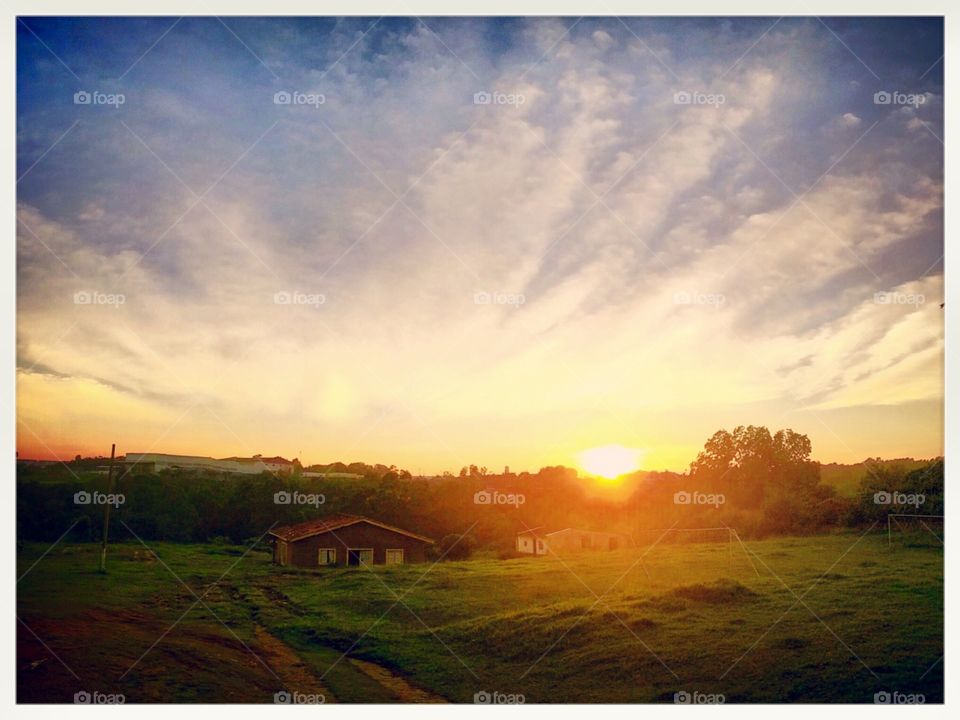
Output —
(610, 461)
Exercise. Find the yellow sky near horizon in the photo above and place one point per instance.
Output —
(60, 418)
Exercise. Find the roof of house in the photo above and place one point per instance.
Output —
(539, 531)
(170, 455)
(331, 523)
(587, 532)
(276, 460)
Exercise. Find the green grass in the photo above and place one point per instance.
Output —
(590, 628)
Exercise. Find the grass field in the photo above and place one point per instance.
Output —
(822, 619)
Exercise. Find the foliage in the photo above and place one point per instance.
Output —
(757, 482)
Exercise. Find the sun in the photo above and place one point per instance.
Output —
(610, 461)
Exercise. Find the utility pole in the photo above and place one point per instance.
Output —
(106, 511)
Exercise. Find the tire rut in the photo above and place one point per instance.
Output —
(296, 675)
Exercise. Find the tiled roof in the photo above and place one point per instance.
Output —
(292, 533)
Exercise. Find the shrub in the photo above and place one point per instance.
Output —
(456, 547)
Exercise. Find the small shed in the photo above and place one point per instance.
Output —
(531, 542)
(346, 540)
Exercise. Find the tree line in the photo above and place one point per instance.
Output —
(757, 482)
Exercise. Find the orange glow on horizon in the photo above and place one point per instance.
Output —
(610, 461)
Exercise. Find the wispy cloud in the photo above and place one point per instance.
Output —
(470, 232)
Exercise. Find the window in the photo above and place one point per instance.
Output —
(327, 556)
(360, 556)
(395, 557)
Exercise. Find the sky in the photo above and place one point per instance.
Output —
(489, 241)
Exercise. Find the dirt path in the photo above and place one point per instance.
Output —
(296, 676)
(404, 691)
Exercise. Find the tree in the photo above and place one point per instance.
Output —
(757, 471)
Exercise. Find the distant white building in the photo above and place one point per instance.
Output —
(243, 466)
(533, 542)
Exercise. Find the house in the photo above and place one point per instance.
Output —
(534, 542)
(153, 462)
(278, 465)
(342, 540)
(574, 540)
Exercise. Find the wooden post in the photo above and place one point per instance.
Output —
(106, 511)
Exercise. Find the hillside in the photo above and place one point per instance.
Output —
(628, 626)
(847, 478)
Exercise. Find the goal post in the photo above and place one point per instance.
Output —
(717, 534)
(692, 535)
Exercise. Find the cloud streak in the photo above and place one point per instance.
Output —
(692, 259)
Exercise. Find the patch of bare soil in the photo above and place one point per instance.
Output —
(296, 675)
(138, 655)
(396, 684)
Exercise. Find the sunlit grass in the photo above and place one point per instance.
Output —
(628, 626)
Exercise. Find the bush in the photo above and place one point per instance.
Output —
(456, 547)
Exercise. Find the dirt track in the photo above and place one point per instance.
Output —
(404, 691)
(294, 675)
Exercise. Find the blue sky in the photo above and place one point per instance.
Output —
(648, 270)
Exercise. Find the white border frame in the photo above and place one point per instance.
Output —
(950, 9)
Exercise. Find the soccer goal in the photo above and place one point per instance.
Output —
(695, 535)
(914, 530)
(724, 537)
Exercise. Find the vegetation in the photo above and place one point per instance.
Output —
(633, 625)
(759, 483)
(805, 602)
